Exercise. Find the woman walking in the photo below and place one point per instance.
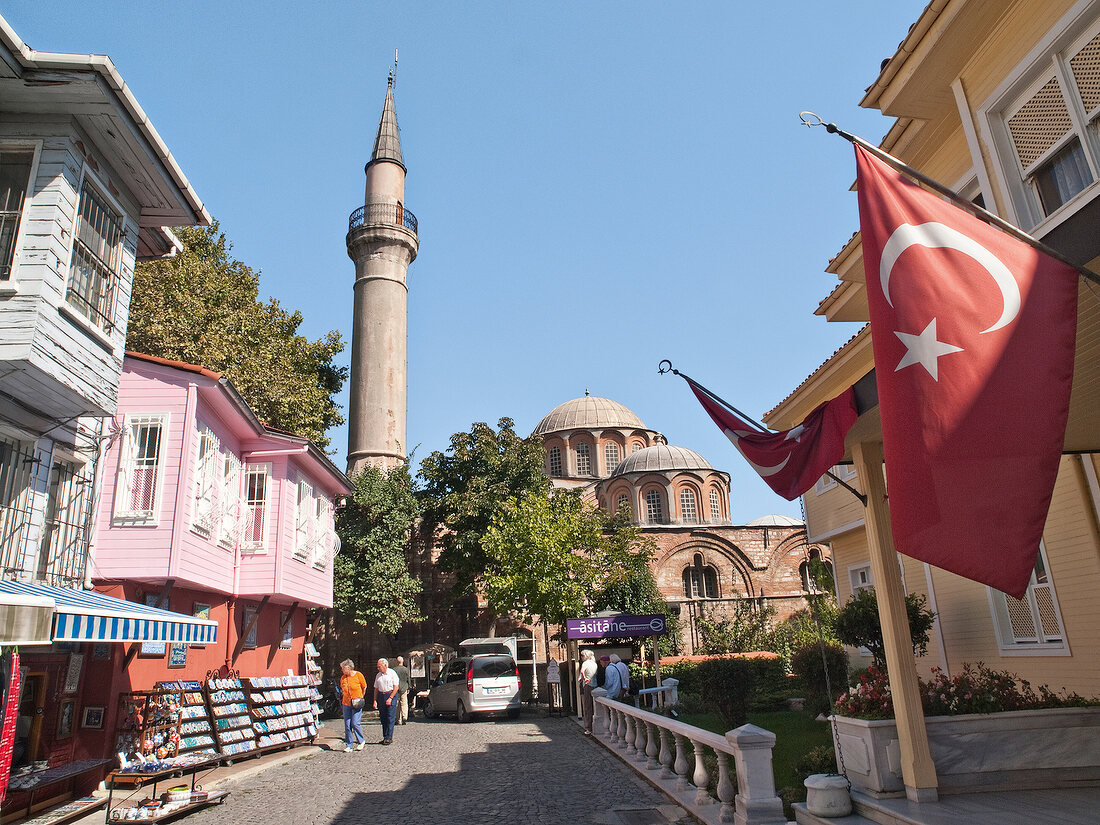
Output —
(353, 690)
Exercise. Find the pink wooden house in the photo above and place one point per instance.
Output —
(206, 510)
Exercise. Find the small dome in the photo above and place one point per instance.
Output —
(588, 412)
(775, 520)
(660, 458)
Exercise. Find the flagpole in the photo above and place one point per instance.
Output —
(977, 211)
(662, 369)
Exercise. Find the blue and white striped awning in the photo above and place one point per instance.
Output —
(88, 616)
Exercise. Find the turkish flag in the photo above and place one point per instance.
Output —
(973, 334)
(792, 461)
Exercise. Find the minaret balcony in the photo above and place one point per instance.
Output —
(382, 214)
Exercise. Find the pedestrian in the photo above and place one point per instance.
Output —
(601, 671)
(353, 689)
(385, 699)
(624, 673)
(404, 682)
(587, 681)
(613, 680)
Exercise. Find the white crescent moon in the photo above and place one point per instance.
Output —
(764, 471)
(939, 236)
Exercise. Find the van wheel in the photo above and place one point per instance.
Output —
(463, 714)
(429, 711)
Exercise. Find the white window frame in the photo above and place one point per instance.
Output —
(231, 515)
(257, 546)
(1050, 58)
(35, 148)
(124, 513)
(1044, 644)
(209, 466)
(845, 472)
(109, 312)
(860, 577)
(304, 518)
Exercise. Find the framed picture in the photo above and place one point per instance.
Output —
(200, 611)
(65, 719)
(177, 654)
(72, 674)
(153, 648)
(92, 717)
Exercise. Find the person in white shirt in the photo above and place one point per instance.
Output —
(613, 680)
(587, 680)
(385, 699)
(624, 673)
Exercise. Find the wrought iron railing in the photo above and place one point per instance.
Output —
(382, 214)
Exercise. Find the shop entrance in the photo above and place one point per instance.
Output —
(28, 723)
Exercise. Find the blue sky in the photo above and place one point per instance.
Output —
(599, 186)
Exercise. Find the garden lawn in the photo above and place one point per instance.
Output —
(796, 732)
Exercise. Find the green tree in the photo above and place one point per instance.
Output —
(547, 554)
(744, 629)
(371, 581)
(465, 487)
(858, 624)
(202, 307)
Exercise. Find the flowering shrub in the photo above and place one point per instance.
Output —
(975, 689)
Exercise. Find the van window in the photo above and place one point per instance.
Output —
(493, 666)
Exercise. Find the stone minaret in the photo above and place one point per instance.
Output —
(382, 241)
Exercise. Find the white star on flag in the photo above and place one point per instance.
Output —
(924, 349)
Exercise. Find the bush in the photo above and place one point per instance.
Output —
(808, 667)
(744, 629)
(684, 672)
(857, 624)
(821, 759)
(727, 685)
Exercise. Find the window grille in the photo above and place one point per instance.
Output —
(230, 507)
(654, 514)
(138, 493)
(1035, 620)
(637, 445)
(554, 455)
(584, 460)
(303, 519)
(688, 512)
(257, 480)
(208, 468)
(17, 468)
(624, 501)
(611, 457)
(715, 505)
(63, 553)
(94, 265)
(15, 171)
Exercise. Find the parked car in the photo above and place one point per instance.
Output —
(485, 683)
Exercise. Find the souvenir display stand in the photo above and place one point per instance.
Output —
(196, 733)
(282, 709)
(229, 711)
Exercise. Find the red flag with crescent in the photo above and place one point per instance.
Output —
(973, 334)
(791, 461)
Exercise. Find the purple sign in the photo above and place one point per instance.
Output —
(600, 627)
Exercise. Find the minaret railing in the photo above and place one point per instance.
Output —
(382, 214)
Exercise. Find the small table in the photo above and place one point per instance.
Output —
(51, 776)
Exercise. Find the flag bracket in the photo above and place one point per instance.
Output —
(811, 119)
(662, 369)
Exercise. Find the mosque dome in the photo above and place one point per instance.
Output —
(775, 520)
(660, 458)
(588, 412)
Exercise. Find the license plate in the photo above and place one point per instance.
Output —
(495, 691)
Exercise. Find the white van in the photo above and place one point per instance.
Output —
(485, 683)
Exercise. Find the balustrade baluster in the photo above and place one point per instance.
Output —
(681, 764)
(631, 748)
(651, 749)
(725, 787)
(700, 778)
(665, 757)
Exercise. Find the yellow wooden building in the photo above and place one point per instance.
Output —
(1000, 101)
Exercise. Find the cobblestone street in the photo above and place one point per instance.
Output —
(531, 770)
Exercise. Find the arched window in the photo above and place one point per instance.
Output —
(688, 512)
(715, 505)
(611, 456)
(637, 445)
(584, 460)
(700, 580)
(806, 574)
(653, 511)
(554, 454)
(621, 502)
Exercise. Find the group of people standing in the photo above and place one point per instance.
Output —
(390, 698)
(610, 673)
